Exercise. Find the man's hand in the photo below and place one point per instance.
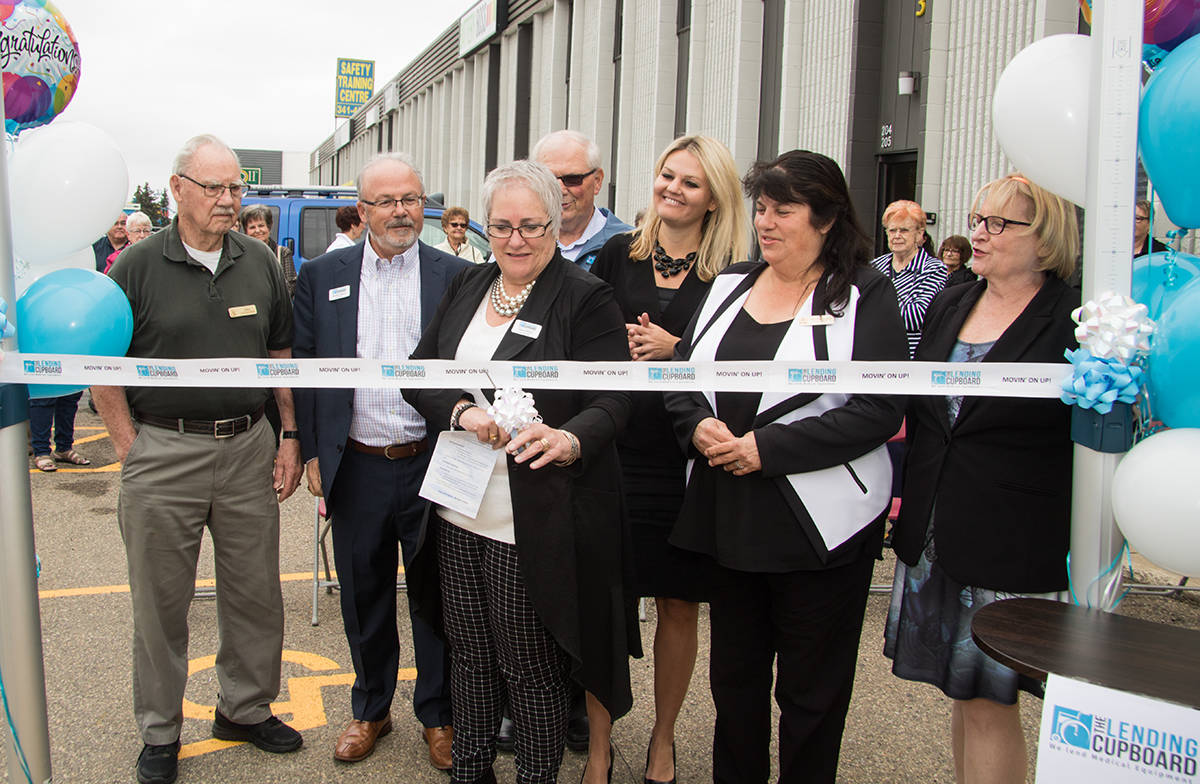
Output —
(312, 472)
(287, 468)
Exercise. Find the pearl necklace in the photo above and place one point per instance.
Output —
(505, 305)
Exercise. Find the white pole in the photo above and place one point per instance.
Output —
(1107, 255)
(20, 621)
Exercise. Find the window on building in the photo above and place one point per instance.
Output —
(618, 29)
(683, 54)
(771, 82)
(523, 91)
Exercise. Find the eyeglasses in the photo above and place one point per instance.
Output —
(409, 202)
(951, 252)
(139, 231)
(529, 231)
(213, 189)
(900, 230)
(993, 224)
(457, 225)
(574, 180)
(1141, 218)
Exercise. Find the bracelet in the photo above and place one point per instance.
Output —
(574, 442)
(458, 411)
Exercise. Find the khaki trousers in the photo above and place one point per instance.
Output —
(172, 486)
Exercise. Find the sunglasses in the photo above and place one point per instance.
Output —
(457, 225)
(574, 180)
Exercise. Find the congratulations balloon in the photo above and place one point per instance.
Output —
(73, 311)
(1155, 500)
(1167, 133)
(68, 182)
(40, 60)
(1040, 113)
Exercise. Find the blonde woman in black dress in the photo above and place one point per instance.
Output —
(695, 226)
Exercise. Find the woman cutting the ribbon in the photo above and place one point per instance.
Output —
(531, 591)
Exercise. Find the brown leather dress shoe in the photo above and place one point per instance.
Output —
(439, 740)
(357, 741)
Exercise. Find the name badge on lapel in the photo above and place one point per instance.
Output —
(243, 310)
(526, 329)
(814, 321)
(341, 292)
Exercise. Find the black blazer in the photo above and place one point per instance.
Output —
(329, 328)
(1000, 476)
(635, 287)
(569, 522)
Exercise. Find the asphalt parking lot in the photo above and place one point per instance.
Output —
(897, 731)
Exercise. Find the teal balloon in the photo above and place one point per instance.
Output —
(1156, 283)
(73, 311)
(1168, 119)
(1174, 364)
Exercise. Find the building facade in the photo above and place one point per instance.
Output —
(897, 91)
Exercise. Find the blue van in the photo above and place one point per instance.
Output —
(304, 218)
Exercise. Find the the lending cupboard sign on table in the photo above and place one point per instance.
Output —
(1103, 736)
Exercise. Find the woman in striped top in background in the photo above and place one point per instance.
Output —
(917, 276)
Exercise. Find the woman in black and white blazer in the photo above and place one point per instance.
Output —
(788, 492)
(987, 486)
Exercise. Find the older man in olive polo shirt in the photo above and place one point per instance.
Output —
(203, 457)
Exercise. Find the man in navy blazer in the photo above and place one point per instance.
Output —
(366, 450)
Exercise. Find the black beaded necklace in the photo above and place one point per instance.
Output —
(668, 266)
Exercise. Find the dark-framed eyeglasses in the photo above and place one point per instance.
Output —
(213, 189)
(1141, 218)
(574, 180)
(529, 231)
(410, 202)
(457, 225)
(993, 224)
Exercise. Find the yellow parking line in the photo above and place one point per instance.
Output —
(97, 590)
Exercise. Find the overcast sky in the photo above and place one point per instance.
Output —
(257, 74)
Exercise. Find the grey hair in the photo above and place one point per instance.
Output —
(398, 157)
(184, 158)
(590, 148)
(136, 218)
(526, 174)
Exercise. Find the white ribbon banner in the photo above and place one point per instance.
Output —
(995, 379)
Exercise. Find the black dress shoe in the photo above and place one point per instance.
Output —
(577, 733)
(270, 735)
(158, 764)
(504, 735)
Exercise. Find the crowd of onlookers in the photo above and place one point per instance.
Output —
(769, 507)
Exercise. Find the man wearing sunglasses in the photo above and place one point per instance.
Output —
(196, 458)
(575, 161)
(454, 223)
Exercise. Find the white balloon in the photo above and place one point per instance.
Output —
(26, 274)
(68, 182)
(1040, 113)
(1155, 500)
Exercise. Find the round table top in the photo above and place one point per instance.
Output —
(1039, 636)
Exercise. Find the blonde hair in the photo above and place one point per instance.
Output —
(1053, 224)
(905, 209)
(723, 231)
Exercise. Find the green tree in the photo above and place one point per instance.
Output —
(151, 202)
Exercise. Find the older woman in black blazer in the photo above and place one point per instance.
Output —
(987, 486)
(787, 492)
(531, 590)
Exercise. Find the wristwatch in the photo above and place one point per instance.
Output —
(290, 434)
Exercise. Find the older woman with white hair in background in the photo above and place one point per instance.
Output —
(531, 590)
(916, 274)
(137, 227)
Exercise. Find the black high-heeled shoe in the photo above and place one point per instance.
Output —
(646, 779)
(611, 756)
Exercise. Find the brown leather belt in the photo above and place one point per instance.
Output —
(217, 428)
(391, 451)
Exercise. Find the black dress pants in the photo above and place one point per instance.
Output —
(807, 623)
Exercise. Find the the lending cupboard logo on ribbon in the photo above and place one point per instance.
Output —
(42, 367)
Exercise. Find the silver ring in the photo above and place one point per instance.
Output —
(738, 465)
